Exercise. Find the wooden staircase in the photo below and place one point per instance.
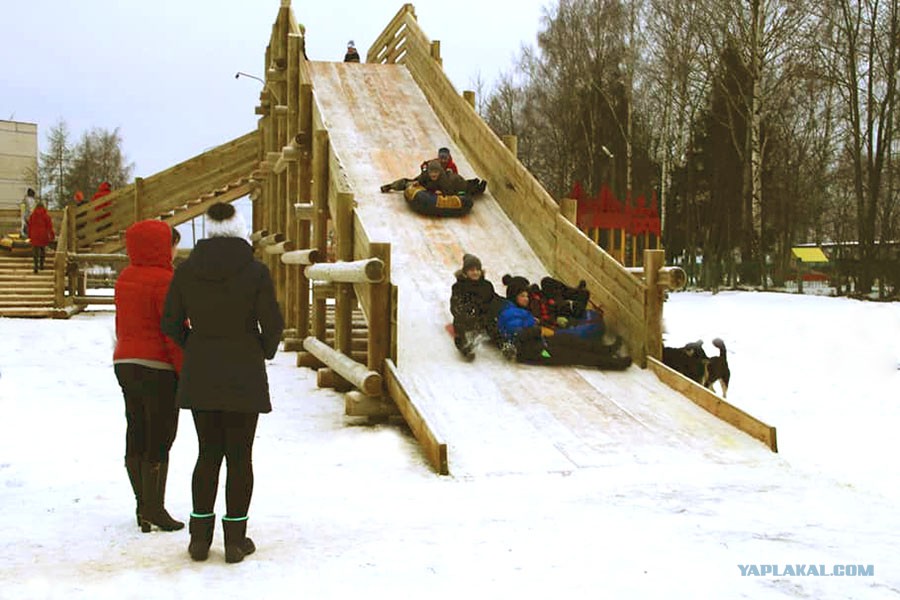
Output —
(175, 195)
(24, 293)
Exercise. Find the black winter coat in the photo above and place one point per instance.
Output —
(235, 324)
(474, 298)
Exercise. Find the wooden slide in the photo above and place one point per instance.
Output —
(495, 416)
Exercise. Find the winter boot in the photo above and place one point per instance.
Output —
(153, 491)
(133, 466)
(466, 348)
(201, 528)
(237, 544)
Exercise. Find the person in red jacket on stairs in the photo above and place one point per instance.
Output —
(147, 364)
(40, 234)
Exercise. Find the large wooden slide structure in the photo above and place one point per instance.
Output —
(365, 282)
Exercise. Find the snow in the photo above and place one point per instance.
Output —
(344, 509)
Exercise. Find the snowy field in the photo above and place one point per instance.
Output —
(346, 510)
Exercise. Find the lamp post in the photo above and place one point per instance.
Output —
(266, 86)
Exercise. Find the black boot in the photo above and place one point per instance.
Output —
(133, 466)
(201, 528)
(153, 491)
(237, 544)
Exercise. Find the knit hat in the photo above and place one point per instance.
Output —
(444, 152)
(514, 285)
(435, 165)
(351, 44)
(470, 261)
(222, 220)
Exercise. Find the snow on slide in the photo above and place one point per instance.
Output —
(496, 417)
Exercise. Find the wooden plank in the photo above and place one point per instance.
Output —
(434, 448)
(715, 405)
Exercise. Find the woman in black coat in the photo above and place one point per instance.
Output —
(221, 309)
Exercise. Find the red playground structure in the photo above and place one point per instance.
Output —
(612, 224)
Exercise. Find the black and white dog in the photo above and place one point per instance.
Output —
(692, 361)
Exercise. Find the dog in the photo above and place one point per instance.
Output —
(690, 360)
(716, 369)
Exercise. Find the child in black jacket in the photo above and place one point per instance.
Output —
(474, 306)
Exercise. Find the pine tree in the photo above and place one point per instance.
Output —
(54, 166)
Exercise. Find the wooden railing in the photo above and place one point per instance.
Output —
(166, 191)
(563, 249)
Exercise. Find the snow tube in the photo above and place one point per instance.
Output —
(436, 204)
(14, 243)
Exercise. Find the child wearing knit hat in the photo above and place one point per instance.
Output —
(474, 305)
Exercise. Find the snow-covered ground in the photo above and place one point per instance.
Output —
(342, 509)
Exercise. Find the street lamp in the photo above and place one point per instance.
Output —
(266, 86)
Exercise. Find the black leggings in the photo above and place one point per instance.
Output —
(150, 411)
(227, 435)
(37, 254)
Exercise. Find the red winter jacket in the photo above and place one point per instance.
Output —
(40, 227)
(105, 189)
(141, 293)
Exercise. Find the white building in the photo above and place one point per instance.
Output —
(18, 155)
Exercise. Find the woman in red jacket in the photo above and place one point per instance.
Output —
(40, 233)
(147, 365)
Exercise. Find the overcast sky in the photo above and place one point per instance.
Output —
(163, 70)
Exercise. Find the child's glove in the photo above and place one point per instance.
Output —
(562, 322)
(547, 332)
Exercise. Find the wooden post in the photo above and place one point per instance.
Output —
(319, 195)
(654, 260)
(469, 96)
(138, 195)
(303, 169)
(512, 142)
(436, 52)
(568, 208)
(343, 309)
(380, 310)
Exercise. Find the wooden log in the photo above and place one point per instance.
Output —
(322, 290)
(289, 154)
(305, 212)
(327, 378)
(369, 382)
(258, 235)
(83, 300)
(305, 359)
(275, 238)
(434, 448)
(280, 247)
(673, 278)
(360, 405)
(369, 270)
(310, 256)
(715, 405)
(97, 258)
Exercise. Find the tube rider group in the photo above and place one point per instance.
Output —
(439, 189)
(549, 324)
